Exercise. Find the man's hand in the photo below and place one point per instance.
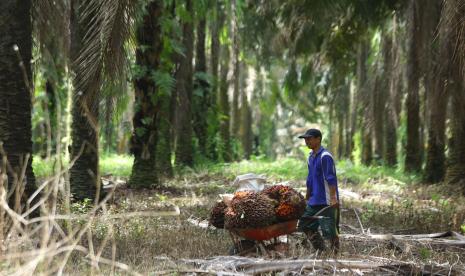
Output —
(334, 202)
(333, 198)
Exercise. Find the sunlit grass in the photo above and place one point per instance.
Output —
(117, 165)
(44, 168)
(282, 169)
(386, 178)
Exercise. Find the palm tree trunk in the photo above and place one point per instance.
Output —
(165, 134)
(413, 146)
(223, 101)
(201, 98)
(184, 152)
(246, 116)
(380, 99)
(144, 139)
(363, 98)
(213, 122)
(455, 173)
(235, 116)
(436, 78)
(164, 148)
(109, 124)
(15, 94)
(84, 174)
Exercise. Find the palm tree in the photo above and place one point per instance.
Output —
(364, 95)
(146, 118)
(99, 30)
(453, 16)
(84, 174)
(413, 146)
(183, 148)
(201, 97)
(213, 128)
(223, 102)
(15, 95)
(235, 115)
(394, 92)
(437, 59)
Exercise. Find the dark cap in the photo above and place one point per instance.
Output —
(313, 132)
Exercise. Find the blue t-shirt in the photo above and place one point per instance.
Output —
(321, 175)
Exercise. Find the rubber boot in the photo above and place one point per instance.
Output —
(335, 245)
(316, 240)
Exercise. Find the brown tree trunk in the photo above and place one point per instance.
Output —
(201, 97)
(456, 160)
(235, 116)
(223, 102)
(213, 122)
(393, 102)
(413, 147)
(146, 116)
(15, 94)
(246, 116)
(183, 148)
(437, 64)
(365, 102)
(84, 174)
(380, 99)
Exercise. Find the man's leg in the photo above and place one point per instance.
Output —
(309, 226)
(316, 240)
(330, 228)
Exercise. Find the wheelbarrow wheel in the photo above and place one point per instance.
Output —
(242, 246)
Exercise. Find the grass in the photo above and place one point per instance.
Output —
(282, 169)
(117, 165)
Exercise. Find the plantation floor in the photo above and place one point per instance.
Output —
(171, 244)
(156, 231)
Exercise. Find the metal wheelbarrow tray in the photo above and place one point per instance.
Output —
(267, 232)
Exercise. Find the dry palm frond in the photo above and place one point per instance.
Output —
(453, 21)
(108, 25)
(48, 25)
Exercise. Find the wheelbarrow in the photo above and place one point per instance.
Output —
(248, 239)
(255, 237)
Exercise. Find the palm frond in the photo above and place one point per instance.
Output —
(102, 57)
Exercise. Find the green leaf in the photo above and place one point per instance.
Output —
(164, 81)
(198, 92)
(140, 131)
(146, 121)
(203, 76)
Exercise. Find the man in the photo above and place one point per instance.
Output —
(322, 195)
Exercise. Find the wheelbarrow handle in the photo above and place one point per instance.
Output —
(317, 215)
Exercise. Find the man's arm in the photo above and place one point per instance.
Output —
(330, 175)
(333, 195)
(308, 181)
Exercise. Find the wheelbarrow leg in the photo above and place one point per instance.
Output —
(261, 247)
(236, 241)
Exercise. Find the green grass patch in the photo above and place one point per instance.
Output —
(387, 178)
(117, 165)
(283, 169)
(42, 168)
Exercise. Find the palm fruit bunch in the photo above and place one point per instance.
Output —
(291, 203)
(217, 214)
(250, 210)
